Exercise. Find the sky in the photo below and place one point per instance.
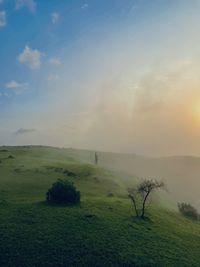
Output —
(109, 75)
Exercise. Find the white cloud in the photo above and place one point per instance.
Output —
(84, 6)
(30, 4)
(30, 57)
(53, 77)
(55, 61)
(2, 18)
(55, 17)
(18, 88)
(5, 94)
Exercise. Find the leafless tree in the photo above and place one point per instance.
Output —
(132, 193)
(143, 190)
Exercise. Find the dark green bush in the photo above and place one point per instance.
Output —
(188, 210)
(63, 192)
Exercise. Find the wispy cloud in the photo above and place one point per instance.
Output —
(55, 17)
(24, 131)
(55, 61)
(53, 77)
(155, 89)
(84, 6)
(30, 57)
(30, 4)
(2, 18)
(16, 87)
(4, 94)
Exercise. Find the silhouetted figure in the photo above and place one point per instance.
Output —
(96, 159)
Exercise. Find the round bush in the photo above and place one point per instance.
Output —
(188, 210)
(63, 192)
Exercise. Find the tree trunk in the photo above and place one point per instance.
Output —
(143, 204)
(134, 204)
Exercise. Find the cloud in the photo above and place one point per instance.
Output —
(155, 89)
(55, 17)
(53, 77)
(30, 4)
(30, 57)
(160, 115)
(3, 94)
(55, 61)
(84, 6)
(149, 93)
(24, 131)
(1, 1)
(18, 88)
(2, 18)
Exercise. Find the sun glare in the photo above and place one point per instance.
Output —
(196, 111)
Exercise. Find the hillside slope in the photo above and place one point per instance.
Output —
(181, 174)
(102, 231)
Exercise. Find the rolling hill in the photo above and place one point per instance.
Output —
(181, 174)
(102, 230)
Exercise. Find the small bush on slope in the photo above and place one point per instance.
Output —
(188, 210)
(63, 192)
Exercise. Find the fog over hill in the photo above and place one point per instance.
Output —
(181, 174)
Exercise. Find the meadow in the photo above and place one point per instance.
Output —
(101, 231)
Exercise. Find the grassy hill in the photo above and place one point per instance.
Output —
(180, 173)
(102, 231)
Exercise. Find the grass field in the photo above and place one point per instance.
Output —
(101, 231)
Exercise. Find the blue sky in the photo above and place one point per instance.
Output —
(101, 74)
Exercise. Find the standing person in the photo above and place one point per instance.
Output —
(96, 158)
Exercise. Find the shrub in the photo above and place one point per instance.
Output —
(11, 157)
(188, 210)
(63, 192)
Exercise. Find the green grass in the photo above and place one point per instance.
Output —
(102, 231)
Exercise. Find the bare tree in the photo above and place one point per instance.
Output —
(132, 193)
(143, 190)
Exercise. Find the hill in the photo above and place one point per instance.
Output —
(181, 174)
(102, 231)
